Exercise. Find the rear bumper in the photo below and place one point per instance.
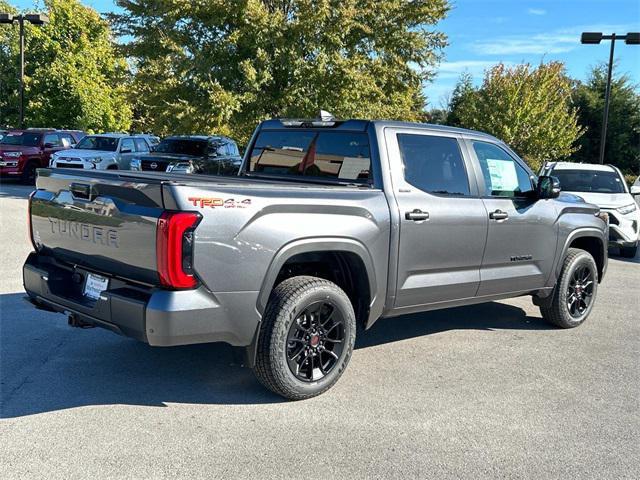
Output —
(155, 316)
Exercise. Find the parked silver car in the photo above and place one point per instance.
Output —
(107, 151)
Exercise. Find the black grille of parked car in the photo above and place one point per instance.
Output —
(154, 165)
(69, 165)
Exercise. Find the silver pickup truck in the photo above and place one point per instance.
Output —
(330, 225)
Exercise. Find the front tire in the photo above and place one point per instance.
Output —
(29, 173)
(306, 337)
(575, 291)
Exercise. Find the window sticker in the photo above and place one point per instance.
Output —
(503, 175)
(353, 167)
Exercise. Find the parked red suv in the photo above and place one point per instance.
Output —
(22, 151)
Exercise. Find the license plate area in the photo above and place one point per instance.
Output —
(94, 285)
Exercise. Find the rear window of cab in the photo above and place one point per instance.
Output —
(330, 155)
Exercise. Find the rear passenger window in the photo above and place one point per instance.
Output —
(52, 139)
(126, 145)
(433, 164)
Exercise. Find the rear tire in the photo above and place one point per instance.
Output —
(629, 252)
(575, 291)
(306, 337)
(28, 176)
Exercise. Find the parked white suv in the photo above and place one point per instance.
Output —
(604, 186)
(108, 151)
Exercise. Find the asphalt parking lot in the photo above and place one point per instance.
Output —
(478, 392)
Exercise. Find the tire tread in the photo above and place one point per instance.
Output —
(283, 298)
(553, 312)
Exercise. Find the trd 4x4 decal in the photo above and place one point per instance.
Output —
(203, 202)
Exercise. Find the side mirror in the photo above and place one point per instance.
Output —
(548, 187)
(635, 190)
(126, 150)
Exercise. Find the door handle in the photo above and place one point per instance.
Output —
(416, 215)
(498, 215)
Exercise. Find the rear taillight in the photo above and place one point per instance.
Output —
(29, 221)
(174, 249)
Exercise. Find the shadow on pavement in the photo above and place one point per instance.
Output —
(485, 316)
(47, 366)
(10, 188)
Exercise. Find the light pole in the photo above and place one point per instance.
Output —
(35, 19)
(594, 38)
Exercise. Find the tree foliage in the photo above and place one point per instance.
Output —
(623, 131)
(463, 92)
(8, 70)
(529, 108)
(73, 76)
(211, 65)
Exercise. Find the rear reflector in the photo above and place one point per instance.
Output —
(174, 249)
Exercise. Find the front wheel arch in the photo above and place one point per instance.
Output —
(589, 240)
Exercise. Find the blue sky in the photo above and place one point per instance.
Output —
(484, 32)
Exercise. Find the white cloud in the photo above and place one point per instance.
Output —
(475, 67)
(536, 11)
(557, 41)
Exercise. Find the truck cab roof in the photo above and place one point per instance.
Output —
(358, 125)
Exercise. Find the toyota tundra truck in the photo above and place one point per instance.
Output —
(329, 226)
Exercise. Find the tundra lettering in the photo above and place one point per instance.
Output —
(82, 231)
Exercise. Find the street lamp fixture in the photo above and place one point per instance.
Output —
(35, 19)
(594, 38)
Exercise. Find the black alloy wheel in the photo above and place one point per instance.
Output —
(580, 291)
(315, 341)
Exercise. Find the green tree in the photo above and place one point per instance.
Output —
(216, 65)
(73, 75)
(623, 131)
(8, 70)
(529, 108)
(463, 92)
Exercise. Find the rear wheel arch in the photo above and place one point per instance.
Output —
(345, 262)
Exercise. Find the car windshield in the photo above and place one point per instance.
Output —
(27, 139)
(195, 148)
(593, 181)
(107, 144)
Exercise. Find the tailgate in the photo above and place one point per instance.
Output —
(102, 221)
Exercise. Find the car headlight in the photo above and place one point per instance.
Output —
(96, 160)
(135, 164)
(627, 208)
(11, 154)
